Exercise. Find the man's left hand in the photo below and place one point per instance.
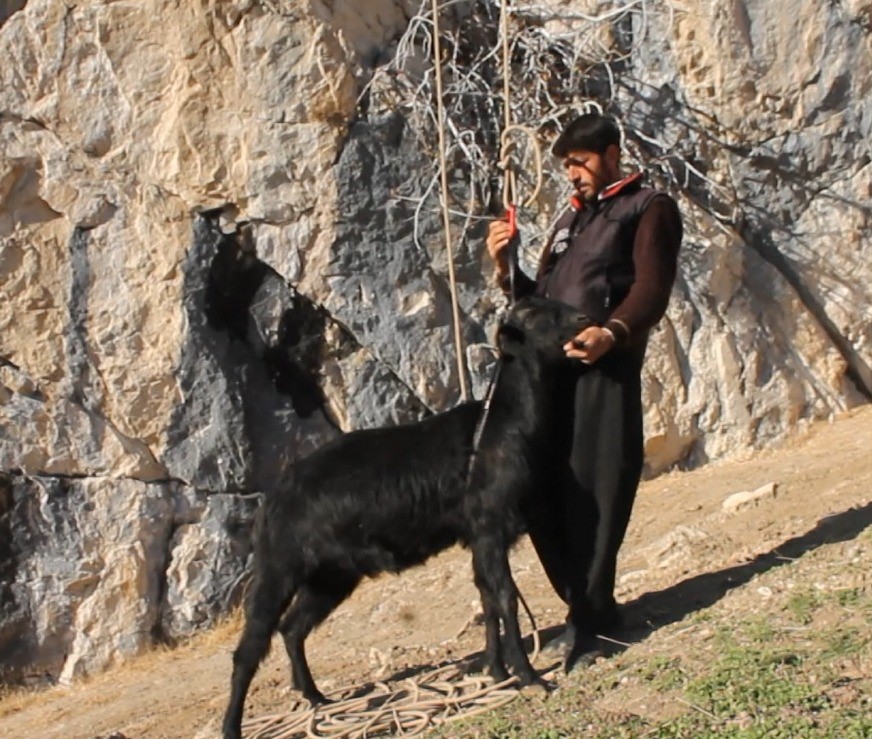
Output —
(590, 344)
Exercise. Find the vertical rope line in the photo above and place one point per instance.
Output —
(507, 111)
(446, 219)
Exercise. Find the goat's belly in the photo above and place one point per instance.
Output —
(401, 550)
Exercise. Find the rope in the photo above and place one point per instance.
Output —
(446, 219)
(504, 32)
(509, 167)
(507, 164)
(482, 422)
(510, 185)
(438, 697)
(509, 190)
(509, 193)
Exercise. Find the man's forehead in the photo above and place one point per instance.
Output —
(578, 155)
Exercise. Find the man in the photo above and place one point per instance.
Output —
(613, 255)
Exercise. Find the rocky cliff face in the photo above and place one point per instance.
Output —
(214, 256)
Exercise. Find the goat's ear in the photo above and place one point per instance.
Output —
(507, 334)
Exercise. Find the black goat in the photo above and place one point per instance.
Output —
(386, 499)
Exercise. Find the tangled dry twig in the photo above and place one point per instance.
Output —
(562, 61)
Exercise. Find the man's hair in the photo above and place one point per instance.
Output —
(588, 132)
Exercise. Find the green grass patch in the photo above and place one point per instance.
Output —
(665, 673)
(803, 605)
(849, 597)
(798, 671)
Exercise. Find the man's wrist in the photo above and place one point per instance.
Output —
(619, 330)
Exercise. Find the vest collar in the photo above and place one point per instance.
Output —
(630, 182)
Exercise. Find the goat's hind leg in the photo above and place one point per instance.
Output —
(267, 600)
(493, 576)
(316, 600)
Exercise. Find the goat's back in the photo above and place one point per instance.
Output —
(386, 497)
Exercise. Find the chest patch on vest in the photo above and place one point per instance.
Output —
(561, 242)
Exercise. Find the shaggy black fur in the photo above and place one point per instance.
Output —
(386, 499)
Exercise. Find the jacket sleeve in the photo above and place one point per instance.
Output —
(655, 260)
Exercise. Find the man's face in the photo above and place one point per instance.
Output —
(590, 172)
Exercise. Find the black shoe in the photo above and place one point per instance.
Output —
(607, 621)
(585, 651)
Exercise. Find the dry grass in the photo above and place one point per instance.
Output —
(14, 699)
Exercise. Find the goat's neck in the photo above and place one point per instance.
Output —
(521, 397)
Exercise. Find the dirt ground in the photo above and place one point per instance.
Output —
(684, 551)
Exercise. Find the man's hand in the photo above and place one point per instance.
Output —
(497, 240)
(590, 344)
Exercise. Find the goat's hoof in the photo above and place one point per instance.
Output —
(317, 699)
(537, 688)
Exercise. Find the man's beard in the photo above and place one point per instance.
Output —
(588, 192)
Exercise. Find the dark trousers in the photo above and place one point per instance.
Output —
(582, 512)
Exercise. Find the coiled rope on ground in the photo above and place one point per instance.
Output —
(407, 709)
(411, 707)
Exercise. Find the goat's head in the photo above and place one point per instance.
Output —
(538, 328)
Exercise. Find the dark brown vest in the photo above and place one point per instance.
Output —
(588, 262)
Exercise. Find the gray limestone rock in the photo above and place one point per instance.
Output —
(223, 246)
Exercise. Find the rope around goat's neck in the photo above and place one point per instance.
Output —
(482, 422)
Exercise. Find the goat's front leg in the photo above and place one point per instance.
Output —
(493, 655)
(490, 564)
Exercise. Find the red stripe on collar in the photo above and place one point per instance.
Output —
(618, 186)
(609, 192)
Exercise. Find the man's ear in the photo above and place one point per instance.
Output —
(612, 155)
